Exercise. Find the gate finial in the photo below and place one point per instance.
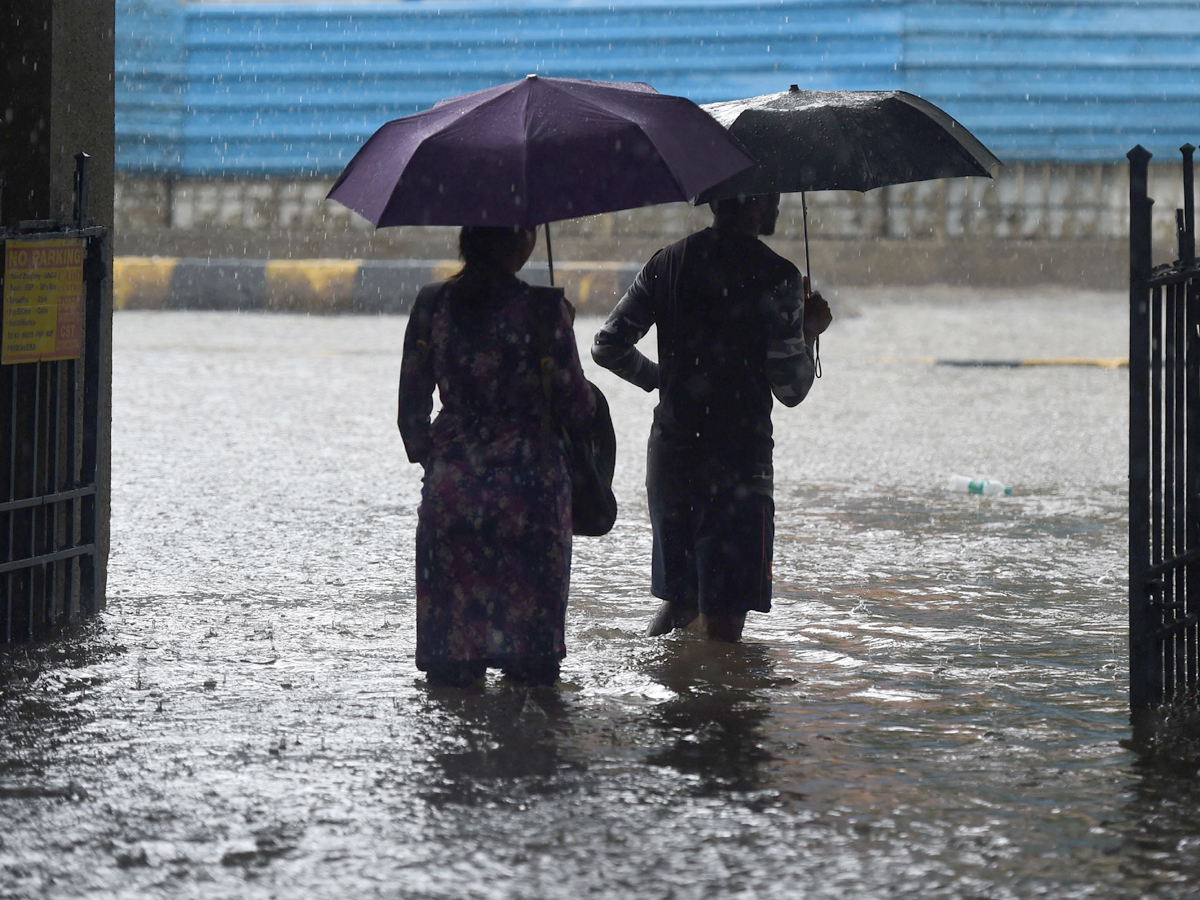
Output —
(1139, 154)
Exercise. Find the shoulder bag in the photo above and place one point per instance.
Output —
(591, 453)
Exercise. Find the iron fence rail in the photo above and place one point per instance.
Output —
(49, 443)
(1164, 452)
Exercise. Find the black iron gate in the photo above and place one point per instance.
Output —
(50, 408)
(1164, 452)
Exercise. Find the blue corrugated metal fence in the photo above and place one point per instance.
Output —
(295, 88)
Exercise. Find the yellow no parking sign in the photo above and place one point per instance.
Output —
(43, 300)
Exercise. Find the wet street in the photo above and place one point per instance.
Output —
(935, 707)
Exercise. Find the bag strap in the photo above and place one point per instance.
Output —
(423, 314)
(545, 310)
(545, 313)
(543, 331)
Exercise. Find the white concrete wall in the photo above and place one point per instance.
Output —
(1024, 202)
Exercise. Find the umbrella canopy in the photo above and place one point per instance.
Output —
(844, 140)
(535, 151)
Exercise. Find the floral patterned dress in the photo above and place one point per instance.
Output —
(493, 553)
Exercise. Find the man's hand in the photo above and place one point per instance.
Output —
(817, 316)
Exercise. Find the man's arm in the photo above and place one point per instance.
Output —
(615, 344)
(791, 364)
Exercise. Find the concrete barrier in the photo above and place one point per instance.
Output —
(330, 285)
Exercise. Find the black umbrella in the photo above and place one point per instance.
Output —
(843, 141)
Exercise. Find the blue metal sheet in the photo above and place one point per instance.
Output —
(295, 87)
(151, 80)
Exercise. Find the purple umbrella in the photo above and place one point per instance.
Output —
(535, 151)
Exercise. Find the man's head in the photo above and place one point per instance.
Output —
(754, 215)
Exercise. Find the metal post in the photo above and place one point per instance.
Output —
(1189, 595)
(81, 189)
(11, 494)
(1191, 585)
(1145, 674)
(71, 591)
(1154, 401)
(50, 486)
(1179, 483)
(31, 574)
(92, 341)
(1187, 253)
(1168, 363)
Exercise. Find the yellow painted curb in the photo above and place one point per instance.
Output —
(1101, 362)
(141, 282)
(580, 280)
(309, 283)
(323, 285)
(445, 268)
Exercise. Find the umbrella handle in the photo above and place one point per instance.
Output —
(549, 254)
(807, 262)
(807, 288)
(807, 283)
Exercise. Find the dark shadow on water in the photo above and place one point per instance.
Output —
(713, 726)
(1160, 830)
(42, 685)
(498, 744)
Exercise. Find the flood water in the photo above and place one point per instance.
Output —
(935, 707)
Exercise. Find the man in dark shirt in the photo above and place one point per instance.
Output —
(733, 328)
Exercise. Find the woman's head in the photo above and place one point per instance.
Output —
(487, 247)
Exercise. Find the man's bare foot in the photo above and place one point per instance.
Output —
(723, 628)
(669, 617)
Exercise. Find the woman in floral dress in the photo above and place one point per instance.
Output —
(493, 553)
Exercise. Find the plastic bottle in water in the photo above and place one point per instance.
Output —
(964, 484)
